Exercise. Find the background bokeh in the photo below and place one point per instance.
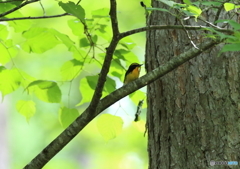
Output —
(22, 140)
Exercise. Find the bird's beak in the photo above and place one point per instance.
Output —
(140, 65)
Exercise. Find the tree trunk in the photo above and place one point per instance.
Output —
(193, 111)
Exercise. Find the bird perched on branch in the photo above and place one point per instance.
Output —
(132, 73)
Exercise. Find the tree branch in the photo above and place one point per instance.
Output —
(17, 8)
(68, 134)
(113, 16)
(108, 58)
(160, 27)
(35, 17)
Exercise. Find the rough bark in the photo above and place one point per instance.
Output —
(193, 111)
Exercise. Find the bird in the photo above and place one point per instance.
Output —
(132, 73)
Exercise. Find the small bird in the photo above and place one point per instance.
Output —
(132, 72)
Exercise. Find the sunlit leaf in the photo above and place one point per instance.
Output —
(63, 38)
(39, 40)
(3, 32)
(229, 6)
(67, 116)
(26, 108)
(5, 58)
(8, 51)
(86, 91)
(75, 10)
(76, 27)
(194, 10)
(71, 69)
(78, 54)
(47, 91)
(10, 80)
(109, 126)
(18, 25)
(99, 13)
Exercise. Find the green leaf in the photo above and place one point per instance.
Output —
(104, 32)
(2, 68)
(88, 86)
(47, 91)
(63, 38)
(116, 69)
(147, 2)
(109, 86)
(8, 51)
(109, 126)
(125, 55)
(188, 2)
(229, 6)
(167, 2)
(194, 10)
(5, 58)
(230, 48)
(17, 3)
(86, 91)
(26, 108)
(128, 43)
(21, 25)
(78, 54)
(18, 25)
(10, 80)
(76, 27)
(100, 13)
(84, 42)
(39, 40)
(75, 10)
(71, 69)
(3, 32)
(235, 25)
(5, 7)
(67, 116)
(94, 38)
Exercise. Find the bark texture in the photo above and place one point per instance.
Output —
(194, 111)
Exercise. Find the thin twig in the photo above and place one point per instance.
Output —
(44, 12)
(188, 35)
(161, 27)
(35, 17)
(17, 8)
